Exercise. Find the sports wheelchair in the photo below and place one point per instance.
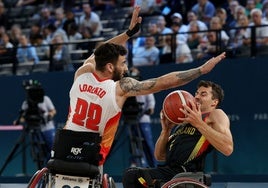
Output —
(189, 180)
(73, 164)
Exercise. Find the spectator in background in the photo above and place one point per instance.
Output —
(74, 36)
(216, 24)
(211, 47)
(265, 10)
(183, 53)
(261, 32)
(35, 30)
(162, 30)
(167, 55)
(239, 10)
(3, 16)
(60, 55)
(250, 6)
(6, 49)
(147, 54)
(70, 18)
(179, 26)
(86, 34)
(26, 53)
(237, 35)
(222, 14)
(191, 16)
(59, 18)
(231, 7)
(5, 42)
(85, 45)
(259, 4)
(15, 33)
(204, 10)
(195, 37)
(162, 25)
(152, 30)
(46, 17)
(91, 20)
(42, 47)
(50, 31)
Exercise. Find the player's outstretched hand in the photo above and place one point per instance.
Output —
(210, 64)
(135, 17)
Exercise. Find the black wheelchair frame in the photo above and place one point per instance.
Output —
(75, 157)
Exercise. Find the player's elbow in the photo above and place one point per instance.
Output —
(228, 150)
(159, 157)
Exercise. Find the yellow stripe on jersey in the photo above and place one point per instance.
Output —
(199, 148)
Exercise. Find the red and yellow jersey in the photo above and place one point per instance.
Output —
(93, 108)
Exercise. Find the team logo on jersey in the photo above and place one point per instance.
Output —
(76, 151)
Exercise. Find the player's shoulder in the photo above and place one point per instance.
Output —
(87, 68)
(217, 113)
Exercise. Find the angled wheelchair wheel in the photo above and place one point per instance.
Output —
(105, 181)
(108, 182)
(39, 179)
(111, 183)
(183, 183)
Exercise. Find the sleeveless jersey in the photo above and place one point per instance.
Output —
(187, 147)
(93, 108)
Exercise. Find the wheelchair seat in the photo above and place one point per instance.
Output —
(74, 163)
(75, 153)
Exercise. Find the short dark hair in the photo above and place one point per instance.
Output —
(108, 53)
(217, 91)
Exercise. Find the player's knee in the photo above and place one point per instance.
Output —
(137, 178)
(130, 178)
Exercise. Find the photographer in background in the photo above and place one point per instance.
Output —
(34, 108)
(147, 104)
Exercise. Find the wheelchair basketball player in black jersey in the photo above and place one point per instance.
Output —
(182, 152)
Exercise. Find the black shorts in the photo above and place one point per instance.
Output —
(159, 175)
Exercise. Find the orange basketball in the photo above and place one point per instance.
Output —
(173, 102)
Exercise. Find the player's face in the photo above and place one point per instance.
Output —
(203, 96)
(120, 69)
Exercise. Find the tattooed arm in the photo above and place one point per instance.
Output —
(131, 87)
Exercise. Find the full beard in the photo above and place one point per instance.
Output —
(116, 75)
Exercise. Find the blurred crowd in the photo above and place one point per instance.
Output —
(173, 31)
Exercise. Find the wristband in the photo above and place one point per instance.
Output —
(134, 30)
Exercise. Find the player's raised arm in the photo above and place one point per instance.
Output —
(120, 39)
(132, 87)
